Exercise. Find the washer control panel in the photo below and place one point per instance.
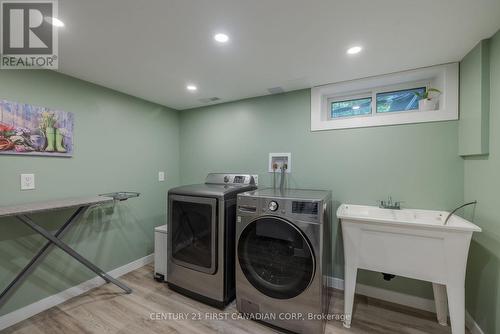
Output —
(300, 208)
(291, 208)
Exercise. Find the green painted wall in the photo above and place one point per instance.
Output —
(418, 163)
(482, 183)
(473, 128)
(121, 143)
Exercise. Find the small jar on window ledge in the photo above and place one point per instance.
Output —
(429, 99)
(428, 104)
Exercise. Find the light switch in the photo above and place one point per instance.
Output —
(161, 176)
(27, 181)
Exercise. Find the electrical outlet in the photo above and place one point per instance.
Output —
(161, 176)
(280, 159)
(27, 181)
(256, 179)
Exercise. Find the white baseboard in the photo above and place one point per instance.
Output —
(472, 325)
(401, 299)
(28, 311)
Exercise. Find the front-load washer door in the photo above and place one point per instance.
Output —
(193, 232)
(276, 257)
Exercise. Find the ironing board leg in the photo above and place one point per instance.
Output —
(41, 254)
(71, 252)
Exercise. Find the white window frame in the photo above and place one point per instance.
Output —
(442, 77)
(373, 95)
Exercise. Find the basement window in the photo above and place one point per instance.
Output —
(386, 100)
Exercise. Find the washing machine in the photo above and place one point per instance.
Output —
(284, 257)
(201, 237)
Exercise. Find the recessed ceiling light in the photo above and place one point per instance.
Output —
(354, 50)
(191, 88)
(54, 21)
(221, 38)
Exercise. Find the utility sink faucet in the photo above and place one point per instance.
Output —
(389, 204)
(456, 209)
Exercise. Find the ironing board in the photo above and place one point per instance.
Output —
(81, 206)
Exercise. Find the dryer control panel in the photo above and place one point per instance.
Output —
(230, 179)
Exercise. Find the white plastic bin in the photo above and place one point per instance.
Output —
(161, 238)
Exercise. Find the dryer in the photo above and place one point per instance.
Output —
(283, 257)
(201, 237)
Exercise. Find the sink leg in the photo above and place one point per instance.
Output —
(456, 303)
(349, 288)
(441, 303)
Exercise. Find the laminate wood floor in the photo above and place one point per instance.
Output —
(107, 310)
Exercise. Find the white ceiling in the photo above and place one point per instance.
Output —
(153, 48)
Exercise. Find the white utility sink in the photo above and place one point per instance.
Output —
(410, 243)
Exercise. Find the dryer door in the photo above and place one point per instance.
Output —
(193, 232)
(276, 257)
